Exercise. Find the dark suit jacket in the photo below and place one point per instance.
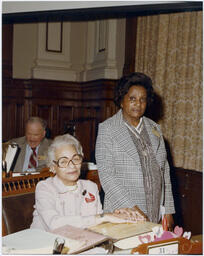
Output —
(42, 153)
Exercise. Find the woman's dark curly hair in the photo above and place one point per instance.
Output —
(127, 81)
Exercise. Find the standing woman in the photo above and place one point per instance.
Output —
(131, 156)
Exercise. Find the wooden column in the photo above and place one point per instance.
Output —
(130, 45)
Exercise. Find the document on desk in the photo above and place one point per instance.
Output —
(123, 230)
(35, 241)
(88, 238)
(18, 174)
(10, 155)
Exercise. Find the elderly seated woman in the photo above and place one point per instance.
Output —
(66, 199)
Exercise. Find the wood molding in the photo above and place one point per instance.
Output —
(97, 13)
(47, 38)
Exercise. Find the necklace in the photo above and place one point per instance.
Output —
(72, 188)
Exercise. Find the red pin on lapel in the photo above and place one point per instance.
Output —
(90, 199)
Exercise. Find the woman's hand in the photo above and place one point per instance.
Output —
(133, 214)
(116, 218)
(170, 221)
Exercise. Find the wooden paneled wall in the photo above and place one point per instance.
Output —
(188, 196)
(66, 106)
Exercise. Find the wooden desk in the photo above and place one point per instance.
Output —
(198, 238)
(185, 246)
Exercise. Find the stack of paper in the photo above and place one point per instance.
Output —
(35, 241)
(88, 238)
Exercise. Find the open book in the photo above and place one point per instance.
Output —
(88, 238)
(126, 235)
(123, 230)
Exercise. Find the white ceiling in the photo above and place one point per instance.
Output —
(30, 6)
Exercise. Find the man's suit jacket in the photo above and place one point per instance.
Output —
(42, 153)
(119, 164)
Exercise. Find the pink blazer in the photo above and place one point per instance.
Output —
(55, 206)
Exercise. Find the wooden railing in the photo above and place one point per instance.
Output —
(23, 184)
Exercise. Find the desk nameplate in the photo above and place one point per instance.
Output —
(179, 245)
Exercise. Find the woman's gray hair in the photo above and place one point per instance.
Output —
(59, 141)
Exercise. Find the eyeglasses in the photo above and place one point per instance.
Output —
(63, 162)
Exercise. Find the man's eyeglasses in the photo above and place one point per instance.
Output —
(63, 162)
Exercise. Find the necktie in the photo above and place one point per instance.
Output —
(33, 159)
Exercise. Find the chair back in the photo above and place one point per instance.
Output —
(17, 212)
(18, 201)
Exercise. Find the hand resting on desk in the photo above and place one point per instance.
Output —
(117, 218)
(132, 214)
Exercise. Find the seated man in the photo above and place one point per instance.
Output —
(33, 146)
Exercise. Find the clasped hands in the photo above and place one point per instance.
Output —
(125, 215)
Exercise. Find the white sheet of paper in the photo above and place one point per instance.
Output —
(131, 242)
(11, 152)
(95, 250)
(34, 241)
(17, 174)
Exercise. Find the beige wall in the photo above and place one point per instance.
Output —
(80, 58)
(24, 50)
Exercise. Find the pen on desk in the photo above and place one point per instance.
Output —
(24, 173)
(58, 245)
